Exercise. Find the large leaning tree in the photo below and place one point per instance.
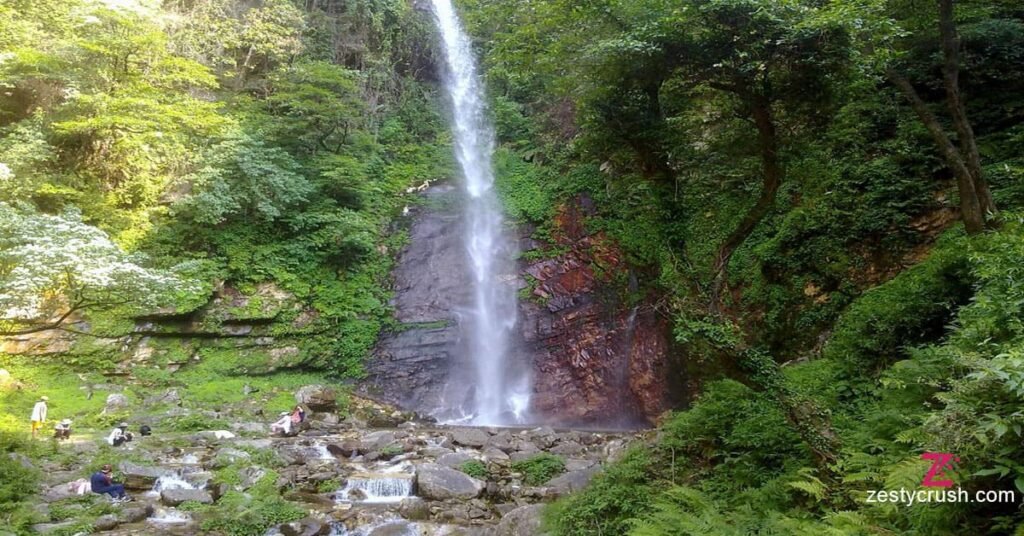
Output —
(54, 267)
(959, 150)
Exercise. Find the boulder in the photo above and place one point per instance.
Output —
(470, 437)
(228, 456)
(495, 455)
(380, 419)
(523, 521)
(414, 509)
(317, 398)
(545, 436)
(376, 441)
(171, 396)
(567, 448)
(394, 528)
(310, 498)
(573, 481)
(65, 491)
(454, 460)
(436, 482)
(216, 434)
(52, 528)
(249, 476)
(575, 464)
(435, 452)
(174, 497)
(346, 448)
(309, 526)
(135, 514)
(116, 403)
(522, 445)
(502, 440)
(105, 522)
(139, 477)
(22, 460)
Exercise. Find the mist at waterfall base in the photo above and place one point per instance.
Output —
(495, 390)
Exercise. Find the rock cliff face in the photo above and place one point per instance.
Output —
(411, 363)
(596, 359)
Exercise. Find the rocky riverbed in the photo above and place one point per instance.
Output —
(377, 472)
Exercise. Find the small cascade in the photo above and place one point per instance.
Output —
(322, 453)
(169, 516)
(388, 484)
(376, 488)
(390, 527)
(172, 481)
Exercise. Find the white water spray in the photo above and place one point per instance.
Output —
(501, 388)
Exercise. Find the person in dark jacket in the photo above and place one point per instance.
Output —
(102, 481)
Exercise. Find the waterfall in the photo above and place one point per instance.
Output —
(500, 392)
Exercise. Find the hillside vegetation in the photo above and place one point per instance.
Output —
(826, 197)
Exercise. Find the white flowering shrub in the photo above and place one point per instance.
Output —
(52, 266)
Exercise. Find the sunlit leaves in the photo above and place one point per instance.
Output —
(241, 177)
(53, 264)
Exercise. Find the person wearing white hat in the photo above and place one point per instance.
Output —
(62, 430)
(39, 415)
(119, 436)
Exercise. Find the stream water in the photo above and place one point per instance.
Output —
(500, 392)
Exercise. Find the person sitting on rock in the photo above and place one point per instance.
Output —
(62, 430)
(119, 436)
(102, 482)
(289, 422)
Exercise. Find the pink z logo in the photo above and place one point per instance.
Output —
(941, 461)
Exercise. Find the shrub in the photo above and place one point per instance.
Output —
(540, 468)
(622, 492)
(252, 513)
(913, 308)
(475, 469)
(17, 482)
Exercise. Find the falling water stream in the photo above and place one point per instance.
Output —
(500, 393)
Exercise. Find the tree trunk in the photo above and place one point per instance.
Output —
(771, 170)
(970, 205)
(951, 80)
(240, 79)
(812, 423)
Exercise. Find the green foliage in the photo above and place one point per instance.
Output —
(242, 179)
(622, 491)
(475, 469)
(539, 469)
(914, 307)
(328, 486)
(525, 189)
(252, 513)
(18, 483)
(192, 423)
